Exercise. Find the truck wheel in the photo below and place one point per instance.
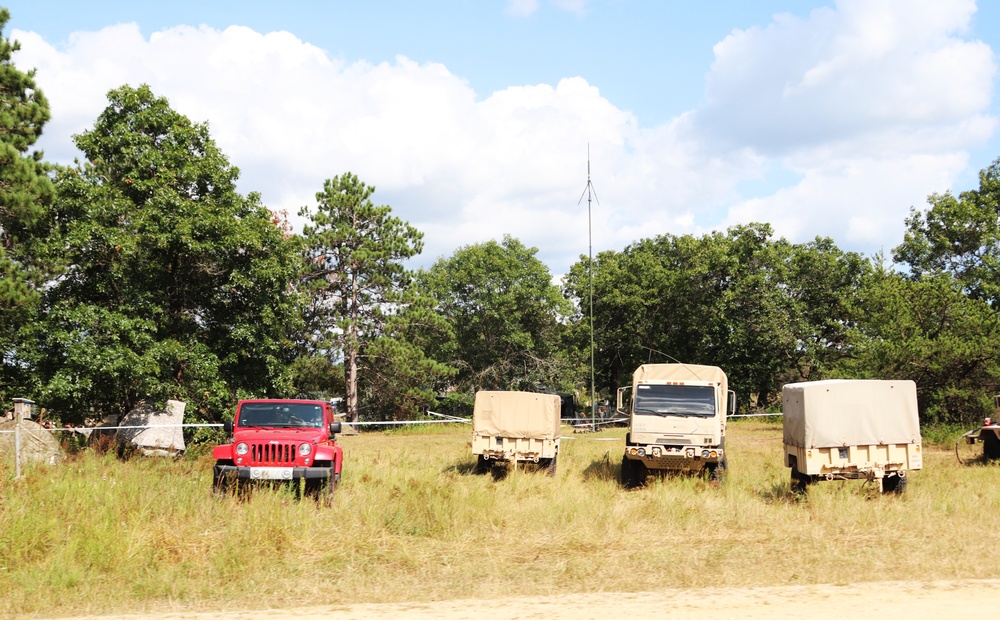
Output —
(626, 474)
(633, 473)
(222, 484)
(321, 490)
(219, 485)
(550, 470)
(717, 471)
(482, 465)
(991, 445)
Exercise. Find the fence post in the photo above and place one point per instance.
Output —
(22, 411)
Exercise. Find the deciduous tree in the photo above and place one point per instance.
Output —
(177, 286)
(505, 312)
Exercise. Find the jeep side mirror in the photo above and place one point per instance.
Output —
(334, 428)
(228, 427)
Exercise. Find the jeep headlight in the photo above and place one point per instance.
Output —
(305, 449)
(242, 448)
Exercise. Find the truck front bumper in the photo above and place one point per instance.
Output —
(683, 458)
(273, 473)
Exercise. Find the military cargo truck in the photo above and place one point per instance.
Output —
(677, 421)
(510, 427)
(849, 429)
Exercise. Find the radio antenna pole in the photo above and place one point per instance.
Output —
(589, 192)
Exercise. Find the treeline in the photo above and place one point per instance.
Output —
(139, 273)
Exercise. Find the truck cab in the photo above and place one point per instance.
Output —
(677, 421)
(283, 441)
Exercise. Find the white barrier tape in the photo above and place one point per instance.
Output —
(448, 417)
(391, 422)
(755, 415)
(114, 428)
(597, 438)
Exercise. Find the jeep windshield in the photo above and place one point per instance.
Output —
(281, 415)
(675, 400)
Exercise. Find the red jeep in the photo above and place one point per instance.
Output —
(283, 441)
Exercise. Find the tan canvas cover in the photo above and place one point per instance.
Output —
(681, 372)
(850, 412)
(518, 415)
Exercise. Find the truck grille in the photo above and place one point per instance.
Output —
(273, 453)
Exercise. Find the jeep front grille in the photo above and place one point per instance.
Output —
(273, 453)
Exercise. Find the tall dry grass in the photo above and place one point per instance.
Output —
(411, 522)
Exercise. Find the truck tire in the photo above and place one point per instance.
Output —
(991, 445)
(550, 469)
(321, 490)
(222, 485)
(717, 471)
(482, 465)
(633, 473)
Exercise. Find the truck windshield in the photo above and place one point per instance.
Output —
(281, 414)
(664, 400)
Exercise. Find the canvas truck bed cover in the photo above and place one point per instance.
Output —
(518, 415)
(681, 372)
(850, 412)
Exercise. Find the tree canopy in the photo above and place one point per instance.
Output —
(175, 286)
(354, 274)
(25, 195)
(506, 315)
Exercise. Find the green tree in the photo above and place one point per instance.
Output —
(500, 303)
(177, 286)
(402, 378)
(959, 235)
(762, 309)
(931, 332)
(353, 253)
(25, 195)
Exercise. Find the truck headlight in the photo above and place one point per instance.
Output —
(242, 448)
(305, 449)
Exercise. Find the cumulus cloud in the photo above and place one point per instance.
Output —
(861, 110)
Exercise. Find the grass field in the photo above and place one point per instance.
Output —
(411, 522)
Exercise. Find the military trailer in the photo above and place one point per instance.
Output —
(851, 429)
(988, 433)
(510, 427)
(677, 421)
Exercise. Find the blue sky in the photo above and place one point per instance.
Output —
(473, 118)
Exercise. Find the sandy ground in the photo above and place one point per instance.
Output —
(912, 600)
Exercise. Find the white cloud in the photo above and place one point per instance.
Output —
(861, 110)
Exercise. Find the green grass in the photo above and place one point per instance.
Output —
(410, 522)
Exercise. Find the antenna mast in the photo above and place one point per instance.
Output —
(588, 191)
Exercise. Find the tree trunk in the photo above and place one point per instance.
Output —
(351, 383)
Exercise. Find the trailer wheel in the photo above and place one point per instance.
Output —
(800, 481)
(991, 445)
(894, 483)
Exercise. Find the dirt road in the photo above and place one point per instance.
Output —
(912, 600)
